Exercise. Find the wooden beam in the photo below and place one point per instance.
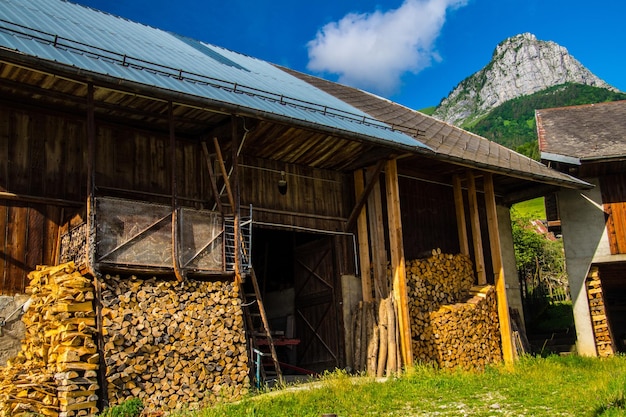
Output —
(91, 180)
(377, 237)
(496, 259)
(461, 224)
(363, 195)
(398, 267)
(364, 254)
(233, 180)
(212, 180)
(175, 241)
(220, 160)
(479, 260)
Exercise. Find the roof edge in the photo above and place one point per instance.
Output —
(571, 160)
(80, 75)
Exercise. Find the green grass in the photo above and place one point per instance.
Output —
(558, 316)
(552, 386)
(428, 110)
(534, 208)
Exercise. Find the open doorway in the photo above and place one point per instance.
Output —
(298, 281)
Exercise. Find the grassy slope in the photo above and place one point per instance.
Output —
(553, 386)
(534, 209)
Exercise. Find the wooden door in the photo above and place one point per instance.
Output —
(318, 319)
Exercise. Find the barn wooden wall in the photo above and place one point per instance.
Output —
(428, 218)
(42, 158)
(315, 198)
(137, 164)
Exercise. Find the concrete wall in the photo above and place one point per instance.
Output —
(513, 292)
(12, 333)
(584, 239)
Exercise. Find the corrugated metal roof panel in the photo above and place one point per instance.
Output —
(95, 41)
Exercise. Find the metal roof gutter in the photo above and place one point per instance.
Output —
(117, 84)
(570, 160)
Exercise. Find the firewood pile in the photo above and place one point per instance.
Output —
(437, 280)
(601, 331)
(452, 322)
(173, 344)
(55, 373)
(464, 334)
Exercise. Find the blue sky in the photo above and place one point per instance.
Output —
(413, 52)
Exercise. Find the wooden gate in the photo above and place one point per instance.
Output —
(317, 316)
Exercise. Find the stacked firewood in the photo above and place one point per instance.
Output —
(452, 323)
(601, 331)
(55, 373)
(464, 334)
(439, 279)
(173, 344)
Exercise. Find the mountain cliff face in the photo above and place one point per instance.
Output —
(520, 65)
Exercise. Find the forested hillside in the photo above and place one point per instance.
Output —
(512, 124)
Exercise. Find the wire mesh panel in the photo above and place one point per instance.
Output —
(137, 234)
(201, 240)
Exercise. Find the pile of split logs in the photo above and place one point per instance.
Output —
(55, 373)
(464, 335)
(173, 344)
(437, 280)
(601, 331)
(452, 323)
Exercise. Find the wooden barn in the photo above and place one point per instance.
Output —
(137, 152)
(589, 142)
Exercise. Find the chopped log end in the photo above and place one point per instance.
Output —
(58, 355)
(171, 343)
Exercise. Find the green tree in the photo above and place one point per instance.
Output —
(540, 261)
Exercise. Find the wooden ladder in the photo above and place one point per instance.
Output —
(260, 336)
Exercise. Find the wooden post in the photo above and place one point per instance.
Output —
(362, 197)
(397, 261)
(234, 185)
(213, 182)
(103, 396)
(364, 254)
(479, 260)
(377, 235)
(220, 160)
(496, 259)
(91, 181)
(460, 215)
(175, 214)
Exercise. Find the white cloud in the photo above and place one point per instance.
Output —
(373, 50)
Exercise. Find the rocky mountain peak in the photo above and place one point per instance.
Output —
(520, 65)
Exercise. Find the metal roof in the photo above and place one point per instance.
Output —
(98, 42)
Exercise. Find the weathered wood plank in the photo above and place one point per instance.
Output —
(4, 212)
(377, 238)
(18, 153)
(460, 215)
(364, 254)
(396, 247)
(35, 237)
(496, 258)
(16, 249)
(479, 260)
